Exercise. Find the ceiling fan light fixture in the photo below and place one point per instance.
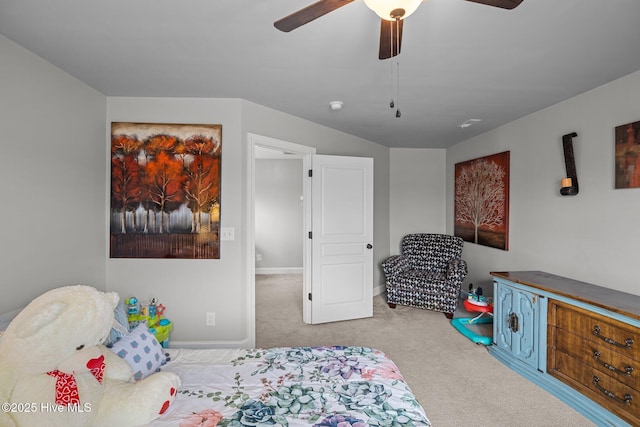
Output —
(388, 9)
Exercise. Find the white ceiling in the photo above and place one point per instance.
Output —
(459, 61)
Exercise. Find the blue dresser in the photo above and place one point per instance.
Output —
(578, 341)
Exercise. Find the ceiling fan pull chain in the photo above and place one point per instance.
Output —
(394, 50)
(398, 114)
(397, 45)
(392, 103)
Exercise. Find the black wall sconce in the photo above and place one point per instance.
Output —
(570, 183)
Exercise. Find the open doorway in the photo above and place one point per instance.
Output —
(280, 248)
(278, 212)
(278, 237)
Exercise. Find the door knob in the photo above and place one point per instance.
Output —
(369, 246)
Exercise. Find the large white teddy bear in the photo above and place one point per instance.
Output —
(55, 372)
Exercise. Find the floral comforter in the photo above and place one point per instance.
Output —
(290, 386)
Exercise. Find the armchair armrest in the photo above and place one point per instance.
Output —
(395, 265)
(457, 270)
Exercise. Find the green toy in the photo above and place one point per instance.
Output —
(153, 316)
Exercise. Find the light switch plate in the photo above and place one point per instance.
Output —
(227, 233)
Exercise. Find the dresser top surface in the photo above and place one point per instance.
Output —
(609, 299)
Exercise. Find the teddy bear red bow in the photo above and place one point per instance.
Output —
(66, 385)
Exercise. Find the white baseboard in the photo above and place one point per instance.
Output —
(279, 270)
(210, 344)
(377, 290)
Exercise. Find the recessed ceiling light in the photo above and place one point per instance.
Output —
(468, 123)
(336, 105)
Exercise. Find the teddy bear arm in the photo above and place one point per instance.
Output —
(115, 367)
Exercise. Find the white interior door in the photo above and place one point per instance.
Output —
(342, 238)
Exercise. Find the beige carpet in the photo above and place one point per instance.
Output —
(458, 382)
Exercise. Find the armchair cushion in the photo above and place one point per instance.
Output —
(396, 264)
(428, 273)
(457, 269)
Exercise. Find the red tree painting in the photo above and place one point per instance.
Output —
(481, 206)
(165, 190)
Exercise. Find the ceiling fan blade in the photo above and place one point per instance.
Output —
(505, 4)
(308, 14)
(390, 38)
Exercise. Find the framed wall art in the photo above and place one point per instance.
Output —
(481, 203)
(627, 145)
(165, 190)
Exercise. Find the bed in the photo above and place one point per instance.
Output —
(289, 386)
(285, 386)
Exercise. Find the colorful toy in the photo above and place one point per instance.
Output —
(476, 295)
(55, 373)
(158, 325)
(132, 305)
(160, 309)
(475, 302)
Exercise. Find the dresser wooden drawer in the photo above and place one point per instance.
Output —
(613, 395)
(608, 333)
(596, 355)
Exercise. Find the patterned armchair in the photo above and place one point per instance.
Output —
(427, 274)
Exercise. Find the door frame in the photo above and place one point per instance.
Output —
(305, 152)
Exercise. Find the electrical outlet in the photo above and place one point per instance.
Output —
(258, 257)
(211, 318)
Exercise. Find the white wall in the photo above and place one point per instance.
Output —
(417, 193)
(279, 213)
(52, 171)
(592, 236)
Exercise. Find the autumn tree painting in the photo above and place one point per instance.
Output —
(481, 204)
(165, 190)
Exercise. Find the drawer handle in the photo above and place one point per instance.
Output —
(627, 342)
(627, 369)
(627, 397)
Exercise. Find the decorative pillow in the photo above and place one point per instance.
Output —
(120, 327)
(141, 350)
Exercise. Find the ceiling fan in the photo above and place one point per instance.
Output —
(391, 12)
